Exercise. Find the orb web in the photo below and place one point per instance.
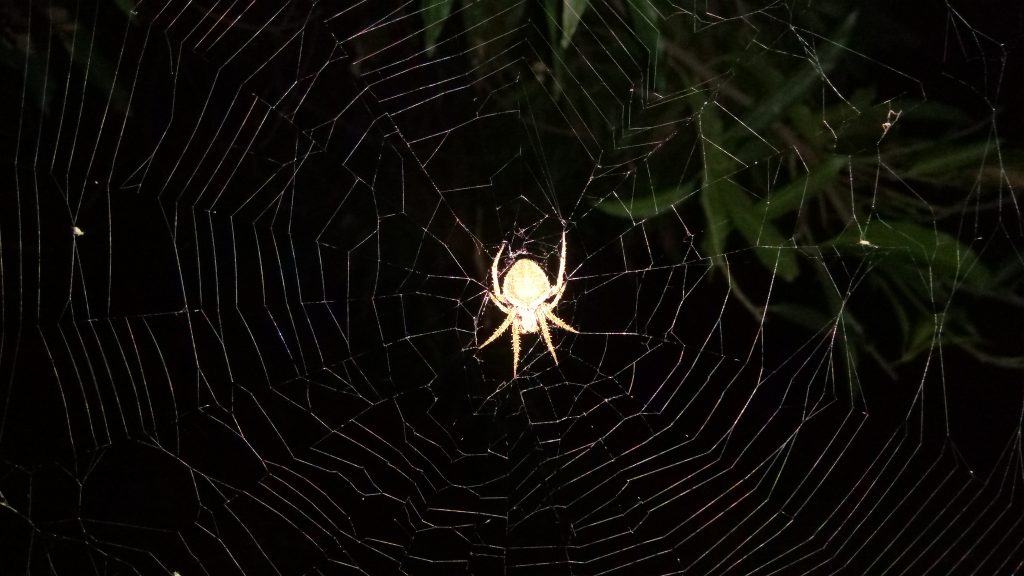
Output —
(245, 277)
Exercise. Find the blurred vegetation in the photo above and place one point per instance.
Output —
(766, 135)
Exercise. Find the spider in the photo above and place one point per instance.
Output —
(524, 297)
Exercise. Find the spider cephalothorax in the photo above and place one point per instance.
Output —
(528, 298)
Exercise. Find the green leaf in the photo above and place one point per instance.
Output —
(1009, 362)
(792, 195)
(941, 256)
(807, 122)
(435, 13)
(491, 29)
(1009, 170)
(126, 6)
(727, 205)
(919, 338)
(100, 71)
(34, 76)
(716, 187)
(572, 12)
(796, 87)
(810, 318)
(645, 18)
(551, 16)
(944, 161)
(644, 206)
(718, 224)
(770, 245)
(934, 113)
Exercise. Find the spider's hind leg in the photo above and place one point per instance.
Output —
(561, 323)
(504, 326)
(547, 339)
(515, 350)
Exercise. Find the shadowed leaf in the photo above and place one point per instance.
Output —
(792, 195)
(551, 17)
(126, 6)
(826, 55)
(572, 12)
(645, 206)
(644, 18)
(933, 255)
(769, 244)
(727, 206)
(942, 161)
(435, 14)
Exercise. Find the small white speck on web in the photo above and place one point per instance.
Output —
(77, 231)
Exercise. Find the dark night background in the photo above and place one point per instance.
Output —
(260, 357)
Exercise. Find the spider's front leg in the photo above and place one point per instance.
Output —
(499, 304)
(494, 275)
(559, 286)
(496, 296)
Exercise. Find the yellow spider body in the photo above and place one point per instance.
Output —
(526, 288)
(524, 296)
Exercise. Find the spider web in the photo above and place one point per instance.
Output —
(245, 276)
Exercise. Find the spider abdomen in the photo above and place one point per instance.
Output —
(526, 283)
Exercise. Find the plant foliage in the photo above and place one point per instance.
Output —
(791, 155)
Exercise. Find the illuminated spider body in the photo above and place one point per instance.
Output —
(528, 298)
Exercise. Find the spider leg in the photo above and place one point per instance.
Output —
(515, 347)
(561, 262)
(494, 274)
(499, 304)
(547, 339)
(558, 296)
(559, 286)
(504, 326)
(561, 323)
(496, 296)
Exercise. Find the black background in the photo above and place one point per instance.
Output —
(215, 379)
